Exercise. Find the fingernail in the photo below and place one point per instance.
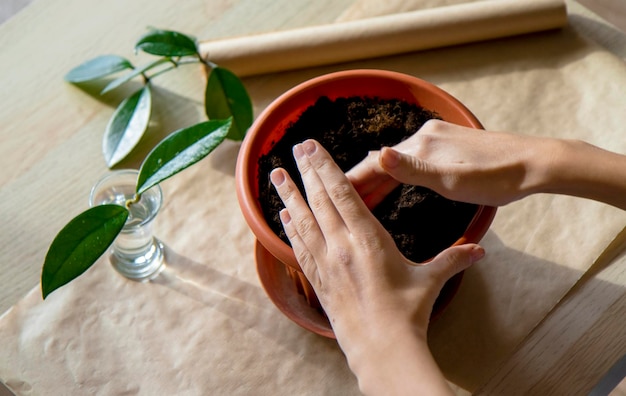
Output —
(309, 147)
(477, 253)
(298, 152)
(277, 176)
(285, 217)
(390, 157)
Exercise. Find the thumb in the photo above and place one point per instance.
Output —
(406, 168)
(454, 260)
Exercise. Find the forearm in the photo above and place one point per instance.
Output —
(579, 169)
(397, 364)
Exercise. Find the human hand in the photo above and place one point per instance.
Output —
(371, 293)
(460, 163)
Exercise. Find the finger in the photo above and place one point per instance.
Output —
(318, 197)
(303, 254)
(301, 218)
(454, 260)
(378, 195)
(409, 169)
(367, 174)
(349, 205)
(371, 181)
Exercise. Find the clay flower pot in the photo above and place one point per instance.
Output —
(278, 269)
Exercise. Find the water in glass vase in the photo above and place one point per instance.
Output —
(135, 254)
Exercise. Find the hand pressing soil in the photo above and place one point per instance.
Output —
(421, 222)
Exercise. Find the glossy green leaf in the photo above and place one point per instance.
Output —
(167, 43)
(127, 77)
(180, 150)
(79, 244)
(98, 67)
(127, 126)
(226, 96)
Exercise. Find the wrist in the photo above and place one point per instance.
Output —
(395, 362)
(545, 164)
(580, 169)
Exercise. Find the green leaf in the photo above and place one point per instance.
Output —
(98, 67)
(167, 43)
(180, 150)
(127, 77)
(79, 244)
(127, 126)
(226, 96)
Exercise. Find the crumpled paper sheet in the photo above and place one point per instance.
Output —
(206, 326)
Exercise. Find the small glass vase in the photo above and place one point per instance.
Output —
(136, 253)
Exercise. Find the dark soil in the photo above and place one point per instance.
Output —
(421, 221)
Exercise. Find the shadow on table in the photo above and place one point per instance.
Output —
(442, 66)
(605, 35)
(238, 299)
(497, 307)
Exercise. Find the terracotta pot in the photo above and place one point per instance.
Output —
(272, 253)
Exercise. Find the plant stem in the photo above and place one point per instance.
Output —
(133, 200)
(175, 64)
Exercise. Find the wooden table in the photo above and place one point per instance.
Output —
(613, 11)
(43, 122)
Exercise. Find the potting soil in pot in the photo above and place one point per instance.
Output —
(421, 222)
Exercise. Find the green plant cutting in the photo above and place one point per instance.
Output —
(229, 111)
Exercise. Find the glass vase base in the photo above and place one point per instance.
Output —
(140, 268)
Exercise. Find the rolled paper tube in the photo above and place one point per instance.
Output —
(384, 35)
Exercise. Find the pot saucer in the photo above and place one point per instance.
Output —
(285, 294)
